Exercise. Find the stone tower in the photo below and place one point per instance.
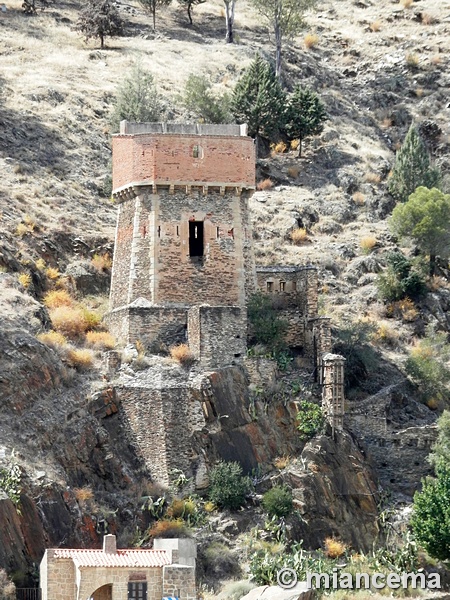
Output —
(183, 236)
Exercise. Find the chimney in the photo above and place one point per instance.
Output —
(109, 544)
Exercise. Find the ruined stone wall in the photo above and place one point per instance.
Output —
(156, 327)
(333, 389)
(261, 371)
(155, 413)
(293, 288)
(179, 158)
(217, 335)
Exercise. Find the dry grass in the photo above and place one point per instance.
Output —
(387, 335)
(264, 184)
(406, 3)
(25, 280)
(281, 462)
(102, 262)
(412, 60)
(92, 318)
(54, 339)
(293, 171)
(279, 147)
(427, 19)
(334, 548)
(295, 144)
(100, 340)
(69, 321)
(432, 403)
(403, 309)
(56, 298)
(40, 264)
(310, 40)
(168, 529)
(375, 26)
(367, 243)
(419, 92)
(386, 123)
(299, 236)
(84, 494)
(182, 354)
(180, 509)
(21, 229)
(80, 358)
(373, 178)
(436, 60)
(52, 273)
(359, 199)
(209, 506)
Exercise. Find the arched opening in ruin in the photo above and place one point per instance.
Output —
(102, 593)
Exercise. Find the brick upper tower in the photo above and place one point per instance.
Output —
(183, 233)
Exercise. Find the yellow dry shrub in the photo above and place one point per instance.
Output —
(102, 262)
(412, 60)
(100, 340)
(310, 40)
(25, 279)
(80, 358)
(279, 147)
(406, 3)
(54, 339)
(299, 236)
(209, 506)
(334, 548)
(386, 335)
(281, 462)
(368, 243)
(180, 509)
(295, 144)
(293, 171)
(168, 528)
(29, 222)
(181, 353)
(91, 318)
(68, 320)
(21, 229)
(372, 178)
(57, 298)
(359, 198)
(375, 26)
(52, 273)
(265, 184)
(432, 403)
(83, 494)
(40, 264)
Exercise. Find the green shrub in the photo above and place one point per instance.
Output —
(352, 342)
(267, 327)
(199, 99)
(237, 589)
(278, 501)
(401, 279)
(220, 562)
(310, 419)
(426, 365)
(228, 486)
(137, 98)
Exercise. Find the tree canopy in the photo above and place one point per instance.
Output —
(152, 6)
(99, 19)
(259, 100)
(286, 18)
(425, 218)
(305, 115)
(137, 98)
(412, 168)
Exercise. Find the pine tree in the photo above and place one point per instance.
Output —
(98, 19)
(137, 98)
(259, 101)
(305, 115)
(412, 168)
(200, 100)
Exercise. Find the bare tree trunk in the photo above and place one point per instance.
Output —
(102, 41)
(229, 19)
(299, 147)
(154, 14)
(432, 264)
(189, 11)
(278, 50)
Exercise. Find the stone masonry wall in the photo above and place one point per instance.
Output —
(179, 582)
(152, 258)
(155, 413)
(290, 287)
(119, 577)
(217, 335)
(189, 159)
(57, 578)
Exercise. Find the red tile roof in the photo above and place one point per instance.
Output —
(122, 558)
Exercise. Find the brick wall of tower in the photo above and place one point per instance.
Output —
(171, 158)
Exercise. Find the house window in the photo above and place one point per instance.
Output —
(282, 286)
(294, 286)
(137, 590)
(270, 286)
(195, 238)
(197, 152)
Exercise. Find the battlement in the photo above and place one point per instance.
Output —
(176, 155)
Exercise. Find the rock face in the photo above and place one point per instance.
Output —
(335, 492)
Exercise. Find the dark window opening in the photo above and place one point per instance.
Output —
(282, 286)
(159, 231)
(238, 337)
(269, 286)
(237, 355)
(294, 286)
(137, 591)
(195, 238)
(178, 230)
(218, 232)
(197, 152)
